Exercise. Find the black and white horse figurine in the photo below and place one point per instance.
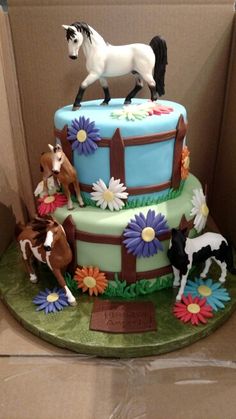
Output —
(145, 62)
(185, 252)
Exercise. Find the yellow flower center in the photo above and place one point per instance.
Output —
(186, 162)
(81, 135)
(193, 308)
(204, 210)
(204, 290)
(89, 281)
(51, 298)
(49, 199)
(108, 195)
(148, 234)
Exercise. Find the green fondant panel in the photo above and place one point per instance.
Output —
(154, 262)
(107, 257)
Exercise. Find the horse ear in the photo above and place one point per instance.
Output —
(184, 231)
(65, 27)
(51, 147)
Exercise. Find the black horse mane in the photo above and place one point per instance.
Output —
(40, 225)
(80, 26)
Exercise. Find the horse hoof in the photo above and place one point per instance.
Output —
(70, 209)
(104, 103)
(33, 279)
(73, 303)
(82, 205)
(76, 108)
(178, 297)
(127, 102)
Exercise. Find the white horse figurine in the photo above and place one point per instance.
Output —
(145, 62)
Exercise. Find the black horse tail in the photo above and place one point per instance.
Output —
(159, 47)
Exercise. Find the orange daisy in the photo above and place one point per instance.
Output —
(90, 279)
(185, 162)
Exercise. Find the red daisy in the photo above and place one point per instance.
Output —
(193, 309)
(160, 109)
(48, 203)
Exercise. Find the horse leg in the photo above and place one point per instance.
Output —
(182, 285)
(27, 259)
(176, 277)
(107, 96)
(223, 268)
(78, 194)
(138, 86)
(61, 281)
(68, 195)
(152, 86)
(91, 78)
(206, 269)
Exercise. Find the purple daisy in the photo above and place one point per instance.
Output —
(51, 301)
(84, 136)
(141, 234)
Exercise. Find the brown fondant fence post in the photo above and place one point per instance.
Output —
(117, 157)
(70, 231)
(180, 134)
(128, 266)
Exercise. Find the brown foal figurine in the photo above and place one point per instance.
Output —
(45, 239)
(55, 163)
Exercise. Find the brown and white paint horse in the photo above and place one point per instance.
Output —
(55, 162)
(45, 239)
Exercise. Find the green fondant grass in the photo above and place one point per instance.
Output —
(117, 288)
(142, 201)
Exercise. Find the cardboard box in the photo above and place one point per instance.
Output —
(39, 78)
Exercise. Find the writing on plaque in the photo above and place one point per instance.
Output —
(123, 317)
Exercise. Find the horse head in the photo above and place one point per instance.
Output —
(53, 234)
(178, 239)
(58, 158)
(75, 37)
(176, 252)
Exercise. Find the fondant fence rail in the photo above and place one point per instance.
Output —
(117, 146)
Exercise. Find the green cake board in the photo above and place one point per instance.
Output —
(70, 327)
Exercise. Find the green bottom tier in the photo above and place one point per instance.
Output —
(70, 327)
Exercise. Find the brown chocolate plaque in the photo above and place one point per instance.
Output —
(123, 317)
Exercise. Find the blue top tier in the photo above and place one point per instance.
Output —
(145, 165)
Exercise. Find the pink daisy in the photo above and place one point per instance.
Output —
(48, 203)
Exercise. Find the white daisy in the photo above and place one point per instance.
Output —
(110, 196)
(200, 209)
(131, 112)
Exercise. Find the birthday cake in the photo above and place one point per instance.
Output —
(132, 163)
(120, 217)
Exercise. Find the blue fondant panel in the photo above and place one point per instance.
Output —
(149, 164)
(94, 166)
